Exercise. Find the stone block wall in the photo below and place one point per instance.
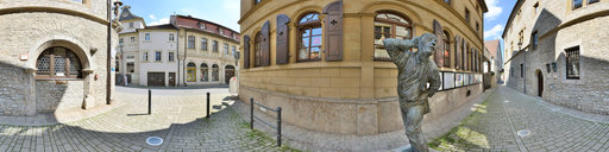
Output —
(12, 90)
(29, 27)
(589, 93)
(52, 96)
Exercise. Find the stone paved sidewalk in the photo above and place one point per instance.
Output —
(175, 118)
(307, 140)
(496, 124)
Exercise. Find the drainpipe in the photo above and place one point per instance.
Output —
(109, 55)
(525, 72)
(524, 68)
(185, 54)
(177, 55)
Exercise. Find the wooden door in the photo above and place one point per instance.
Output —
(156, 79)
(539, 84)
(172, 79)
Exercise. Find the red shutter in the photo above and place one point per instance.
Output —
(333, 26)
(282, 44)
(439, 48)
(266, 44)
(246, 52)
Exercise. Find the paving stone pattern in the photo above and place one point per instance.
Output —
(177, 119)
(494, 127)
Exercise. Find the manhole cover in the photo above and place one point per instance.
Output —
(154, 141)
(524, 132)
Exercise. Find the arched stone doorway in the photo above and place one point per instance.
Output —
(539, 83)
(62, 80)
(229, 72)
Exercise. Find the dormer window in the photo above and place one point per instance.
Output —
(202, 26)
(220, 31)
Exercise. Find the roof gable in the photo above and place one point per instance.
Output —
(127, 15)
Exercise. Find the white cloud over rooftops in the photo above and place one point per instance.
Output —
(493, 10)
(494, 32)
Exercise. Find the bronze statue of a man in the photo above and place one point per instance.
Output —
(416, 70)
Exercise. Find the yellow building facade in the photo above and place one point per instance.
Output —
(321, 60)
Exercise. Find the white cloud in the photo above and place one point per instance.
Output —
(493, 10)
(494, 32)
(159, 22)
(152, 17)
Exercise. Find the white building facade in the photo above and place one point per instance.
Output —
(186, 52)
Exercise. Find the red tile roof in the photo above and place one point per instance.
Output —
(492, 47)
(210, 27)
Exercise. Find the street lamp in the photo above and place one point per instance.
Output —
(112, 24)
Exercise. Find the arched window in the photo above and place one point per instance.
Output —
(258, 49)
(389, 25)
(191, 72)
(204, 72)
(447, 53)
(58, 62)
(310, 32)
(215, 72)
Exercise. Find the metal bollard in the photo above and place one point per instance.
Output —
(251, 113)
(149, 102)
(278, 126)
(207, 116)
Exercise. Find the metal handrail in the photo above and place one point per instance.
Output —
(276, 110)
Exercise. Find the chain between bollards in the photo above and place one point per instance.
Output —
(149, 102)
(207, 116)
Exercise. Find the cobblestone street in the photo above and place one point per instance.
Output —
(510, 121)
(494, 126)
(178, 120)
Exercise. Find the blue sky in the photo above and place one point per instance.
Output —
(226, 12)
(496, 18)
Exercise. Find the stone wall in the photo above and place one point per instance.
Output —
(560, 28)
(12, 90)
(590, 92)
(52, 96)
(354, 116)
(33, 26)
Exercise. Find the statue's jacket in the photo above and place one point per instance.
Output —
(413, 73)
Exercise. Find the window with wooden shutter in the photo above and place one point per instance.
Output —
(464, 55)
(258, 49)
(310, 37)
(282, 46)
(266, 44)
(439, 48)
(458, 48)
(447, 49)
(246, 51)
(389, 25)
(334, 31)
